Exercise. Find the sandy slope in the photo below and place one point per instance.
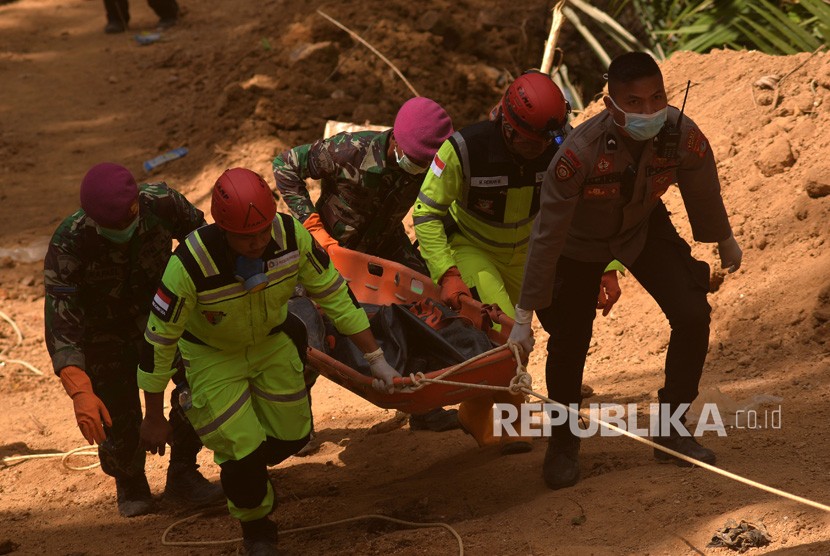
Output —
(231, 84)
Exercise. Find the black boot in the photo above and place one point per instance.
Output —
(114, 27)
(686, 445)
(186, 483)
(561, 466)
(436, 420)
(134, 496)
(259, 537)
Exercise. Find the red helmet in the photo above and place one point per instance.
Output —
(534, 106)
(242, 202)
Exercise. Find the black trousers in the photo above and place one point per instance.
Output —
(112, 371)
(245, 481)
(118, 11)
(668, 272)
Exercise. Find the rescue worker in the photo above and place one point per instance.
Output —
(601, 199)
(101, 270)
(368, 182)
(475, 210)
(223, 300)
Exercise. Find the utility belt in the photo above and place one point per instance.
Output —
(293, 327)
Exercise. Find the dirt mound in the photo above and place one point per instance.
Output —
(235, 83)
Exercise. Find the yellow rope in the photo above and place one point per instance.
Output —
(454, 533)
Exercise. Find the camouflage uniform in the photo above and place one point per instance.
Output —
(362, 201)
(98, 297)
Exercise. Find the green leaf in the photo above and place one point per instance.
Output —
(819, 9)
(760, 43)
(795, 35)
(782, 46)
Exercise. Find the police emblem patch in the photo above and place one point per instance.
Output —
(697, 143)
(605, 164)
(214, 317)
(485, 205)
(564, 171)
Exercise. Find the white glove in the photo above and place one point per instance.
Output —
(730, 254)
(522, 334)
(382, 371)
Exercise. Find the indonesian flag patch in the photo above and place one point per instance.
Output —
(437, 166)
(164, 303)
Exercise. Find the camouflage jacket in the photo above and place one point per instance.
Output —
(361, 197)
(99, 292)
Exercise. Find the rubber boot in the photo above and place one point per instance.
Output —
(184, 482)
(133, 495)
(259, 537)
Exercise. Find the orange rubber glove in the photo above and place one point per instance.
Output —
(90, 411)
(453, 287)
(314, 225)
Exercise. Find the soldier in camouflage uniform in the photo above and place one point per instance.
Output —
(368, 183)
(102, 268)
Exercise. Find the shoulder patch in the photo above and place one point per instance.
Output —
(564, 170)
(697, 143)
(165, 304)
(437, 166)
(572, 158)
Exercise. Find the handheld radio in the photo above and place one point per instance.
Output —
(668, 140)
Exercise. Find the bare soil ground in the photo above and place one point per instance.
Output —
(236, 82)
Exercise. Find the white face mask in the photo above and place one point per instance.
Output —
(642, 127)
(407, 165)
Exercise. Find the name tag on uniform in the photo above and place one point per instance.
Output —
(489, 181)
(596, 192)
(284, 260)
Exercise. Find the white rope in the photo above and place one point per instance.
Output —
(521, 373)
(452, 531)
(80, 451)
(372, 48)
(4, 361)
(419, 380)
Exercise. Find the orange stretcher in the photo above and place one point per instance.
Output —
(382, 282)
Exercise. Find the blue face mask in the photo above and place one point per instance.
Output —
(642, 127)
(118, 236)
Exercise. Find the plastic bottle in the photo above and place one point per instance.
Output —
(164, 158)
